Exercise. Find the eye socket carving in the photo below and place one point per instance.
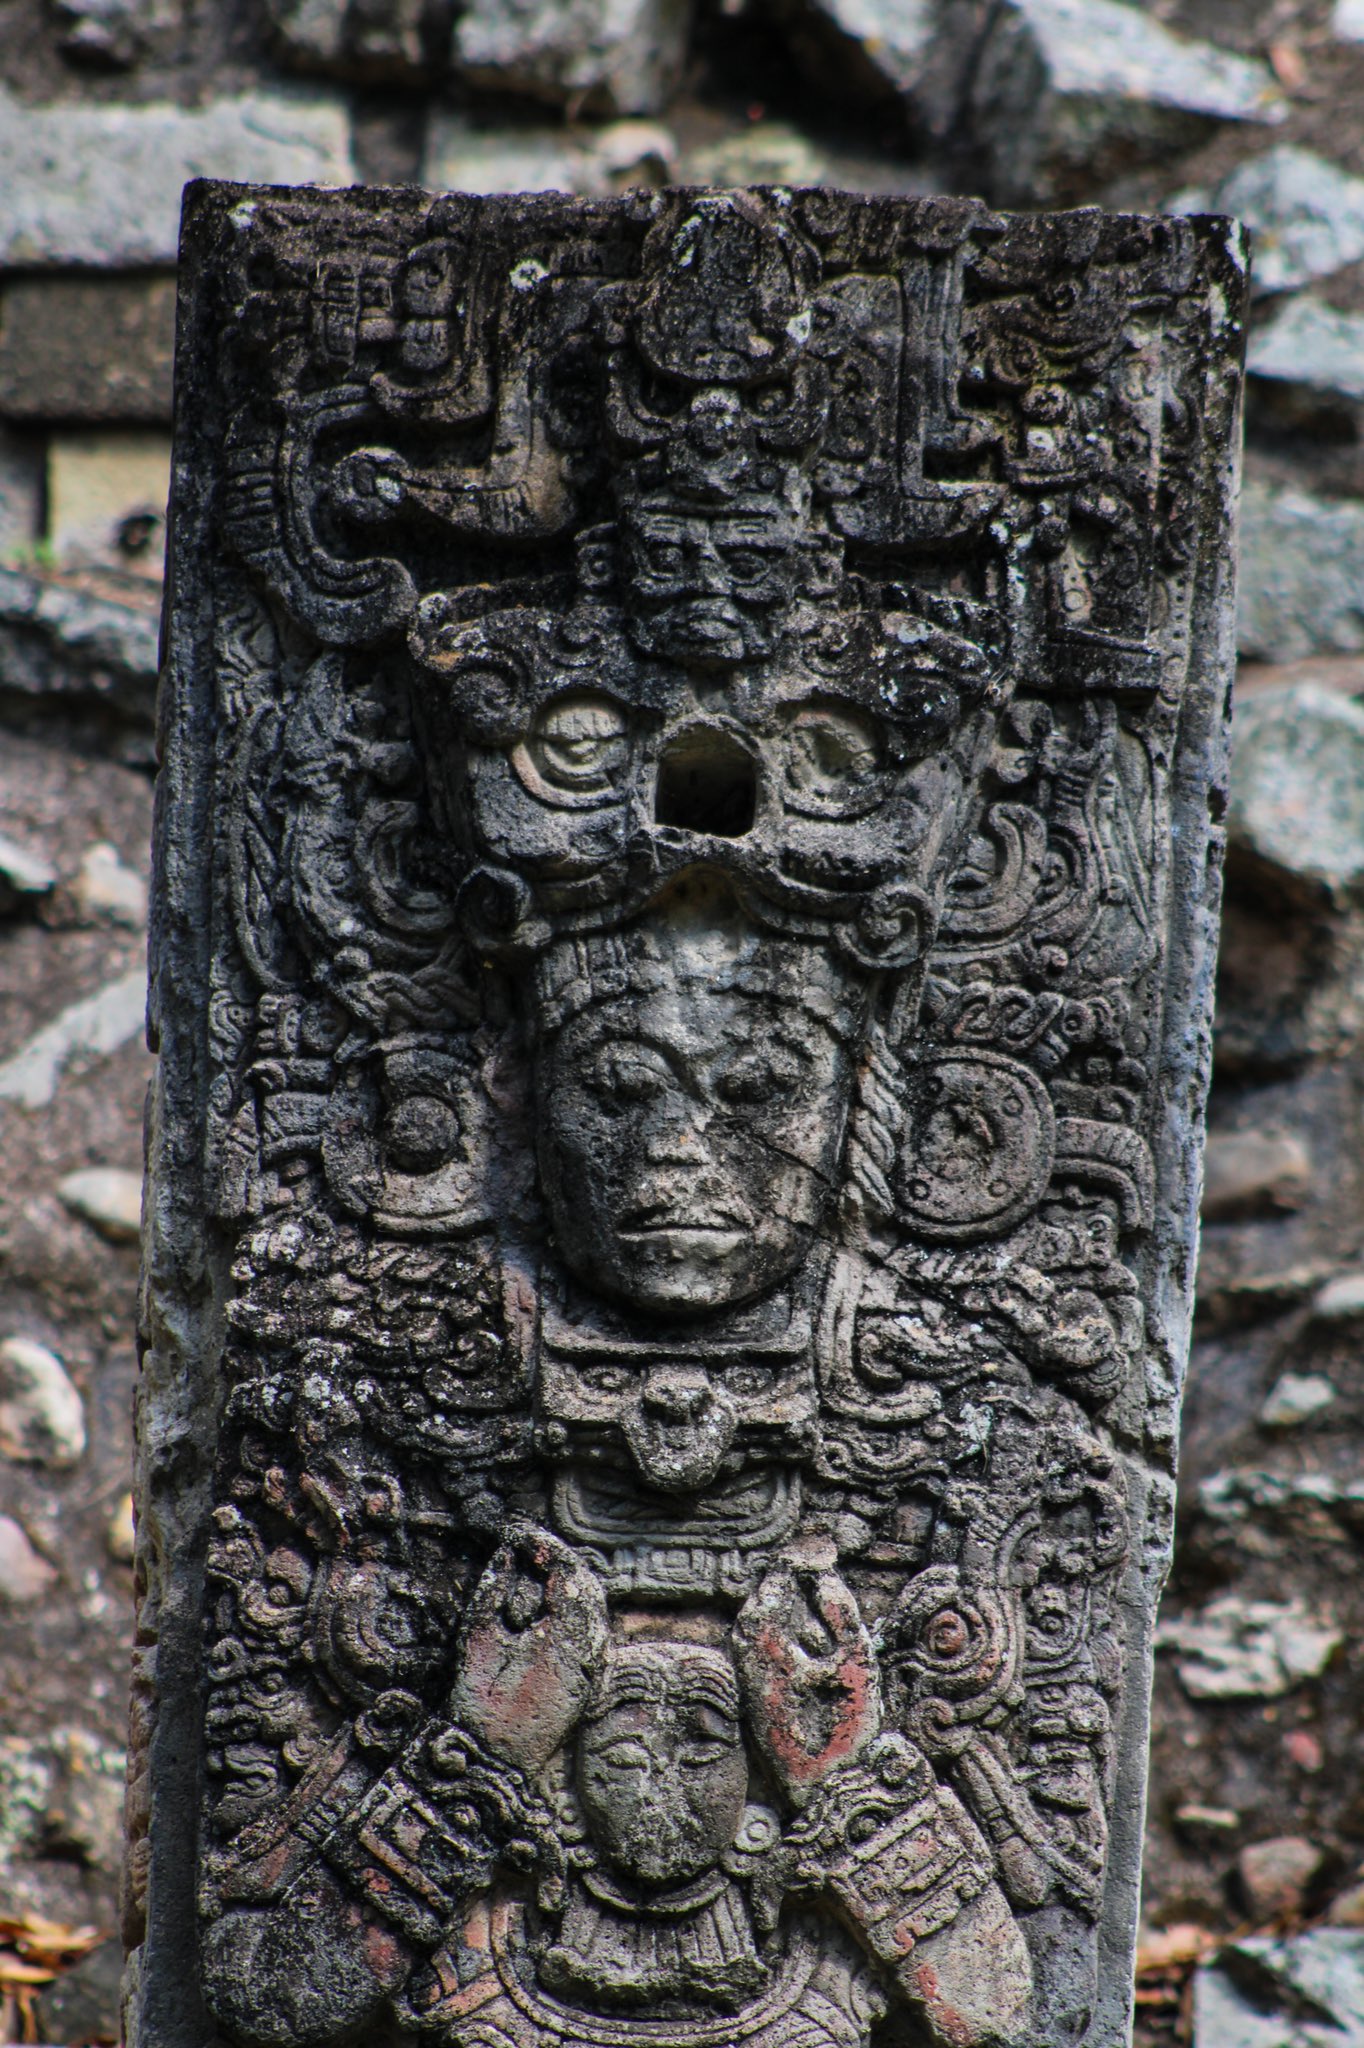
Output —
(833, 761)
(578, 750)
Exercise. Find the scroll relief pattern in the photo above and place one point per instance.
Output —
(697, 681)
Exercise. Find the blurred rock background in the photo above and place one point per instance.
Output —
(1254, 1887)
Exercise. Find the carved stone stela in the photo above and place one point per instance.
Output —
(687, 876)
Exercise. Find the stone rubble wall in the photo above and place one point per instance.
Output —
(1256, 1826)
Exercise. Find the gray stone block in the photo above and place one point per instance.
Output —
(593, 56)
(1305, 215)
(1300, 582)
(101, 184)
(1297, 798)
(1058, 96)
(83, 348)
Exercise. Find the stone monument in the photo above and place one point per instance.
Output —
(692, 743)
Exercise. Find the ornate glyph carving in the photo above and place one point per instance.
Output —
(691, 723)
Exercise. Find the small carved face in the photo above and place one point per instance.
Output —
(689, 1142)
(662, 1772)
(708, 588)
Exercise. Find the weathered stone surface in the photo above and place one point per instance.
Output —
(1241, 1650)
(462, 156)
(594, 56)
(24, 1574)
(1298, 793)
(1341, 1300)
(1296, 1398)
(1310, 353)
(1305, 213)
(106, 1197)
(1301, 574)
(1276, 1876)
(681, 981)
(378, 41)
(104, 888)
(24, 874)
(1248, 1172)
(42, 1417)
(101, 185)
(96, 1024)
(1056, 95)
(77, 348)
(66, 647)
(107, 500)
(1302, 1991)
(1347, 21)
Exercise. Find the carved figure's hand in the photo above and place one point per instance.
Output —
(809, 1675)
(534, 1636)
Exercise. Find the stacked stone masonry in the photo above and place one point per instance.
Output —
(1257, 1736)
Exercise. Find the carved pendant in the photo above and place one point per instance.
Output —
(686, 898)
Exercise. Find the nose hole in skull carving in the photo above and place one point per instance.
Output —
(707, 782)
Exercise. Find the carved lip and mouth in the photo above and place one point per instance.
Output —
(709, 1231)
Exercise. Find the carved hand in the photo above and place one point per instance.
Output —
(534, 1636)
(809, 1675)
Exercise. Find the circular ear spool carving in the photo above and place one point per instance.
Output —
(978, 1147)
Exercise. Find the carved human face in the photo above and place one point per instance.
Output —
(689, 1142)
(662, 1772)
(708, 587)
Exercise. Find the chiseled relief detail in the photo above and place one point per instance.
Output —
(697, 684)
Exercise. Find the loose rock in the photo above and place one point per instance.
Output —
(591, 55)
(107, 1198)
(120, 1537)
(1296, 1398)
(1064, 93)
(1275, 1876)
(42, 1416)
(1305, 214)
(104, 887)
(24, 1575)
(1297, 792)
(1305, 1991)
(1341, 1300)
(23, 873)
(1252, 1173)
(1243, 1650)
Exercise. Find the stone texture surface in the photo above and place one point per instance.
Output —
(1305, 213)
(603, 56)
(1298, 801)
(690, 1237)
(1268, 1512)
(75, 348)
(96, 185)
(106, 496)
(1059, 93)
(1301, 574)
(42, 1418)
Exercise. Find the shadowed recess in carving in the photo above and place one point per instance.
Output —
(707, 782)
